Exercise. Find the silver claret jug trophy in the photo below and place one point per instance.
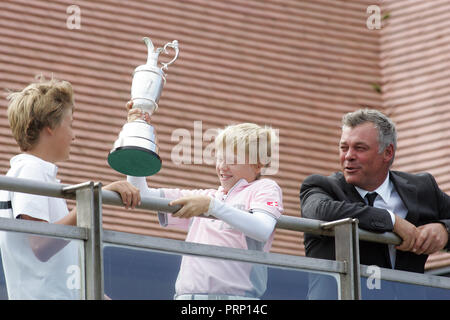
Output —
(135, 152)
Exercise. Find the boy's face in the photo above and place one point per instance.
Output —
(63, 136)
(230, 173)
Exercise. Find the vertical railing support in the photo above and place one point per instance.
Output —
(347, 250)
(89, 215)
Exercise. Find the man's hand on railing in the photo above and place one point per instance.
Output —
(407, 231)
(432, 238)
(425, 239)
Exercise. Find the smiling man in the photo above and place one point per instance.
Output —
(411, 205)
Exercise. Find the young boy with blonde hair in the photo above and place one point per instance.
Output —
(245, 209)
(36, 267)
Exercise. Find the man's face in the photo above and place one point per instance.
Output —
(361, 163)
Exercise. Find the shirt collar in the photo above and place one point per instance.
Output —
(49, 168)
(238, 185)
(384, 190)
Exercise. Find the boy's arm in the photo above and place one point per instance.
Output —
(141, 184)
(165, 219)
(257, 224)
(46, 247)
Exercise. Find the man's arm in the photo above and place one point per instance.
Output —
(434, 236)
(408, 232)
(321, 198)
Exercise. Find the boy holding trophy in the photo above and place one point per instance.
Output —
(244, 208)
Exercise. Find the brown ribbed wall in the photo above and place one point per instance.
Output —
(415, 64)
(294, 65)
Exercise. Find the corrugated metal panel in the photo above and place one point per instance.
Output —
(303, 63)
(415, 60)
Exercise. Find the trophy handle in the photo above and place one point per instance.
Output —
(173, 45)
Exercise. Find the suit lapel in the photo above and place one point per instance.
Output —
(353, 196)
(408, 194)
(350, 192)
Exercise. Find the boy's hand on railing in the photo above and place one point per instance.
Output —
(130, 195)
(432, 238)
(191, 206)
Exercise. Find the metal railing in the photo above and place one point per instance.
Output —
(90, 197)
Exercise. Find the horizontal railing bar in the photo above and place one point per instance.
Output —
(48, 189)
(43, 229)
(409, 277)
(384, 237)
(148, 203)
(57, 190)
(315, 227)
(182, 247)
(211, 251)
(302, 224)
(162, 204)
(439, 271)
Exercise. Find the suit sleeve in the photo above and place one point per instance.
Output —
(443, 201)
(321, 198)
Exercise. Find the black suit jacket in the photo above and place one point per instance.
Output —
(332, 198)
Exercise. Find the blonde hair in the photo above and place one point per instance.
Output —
(39, 105)
(250, 142)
